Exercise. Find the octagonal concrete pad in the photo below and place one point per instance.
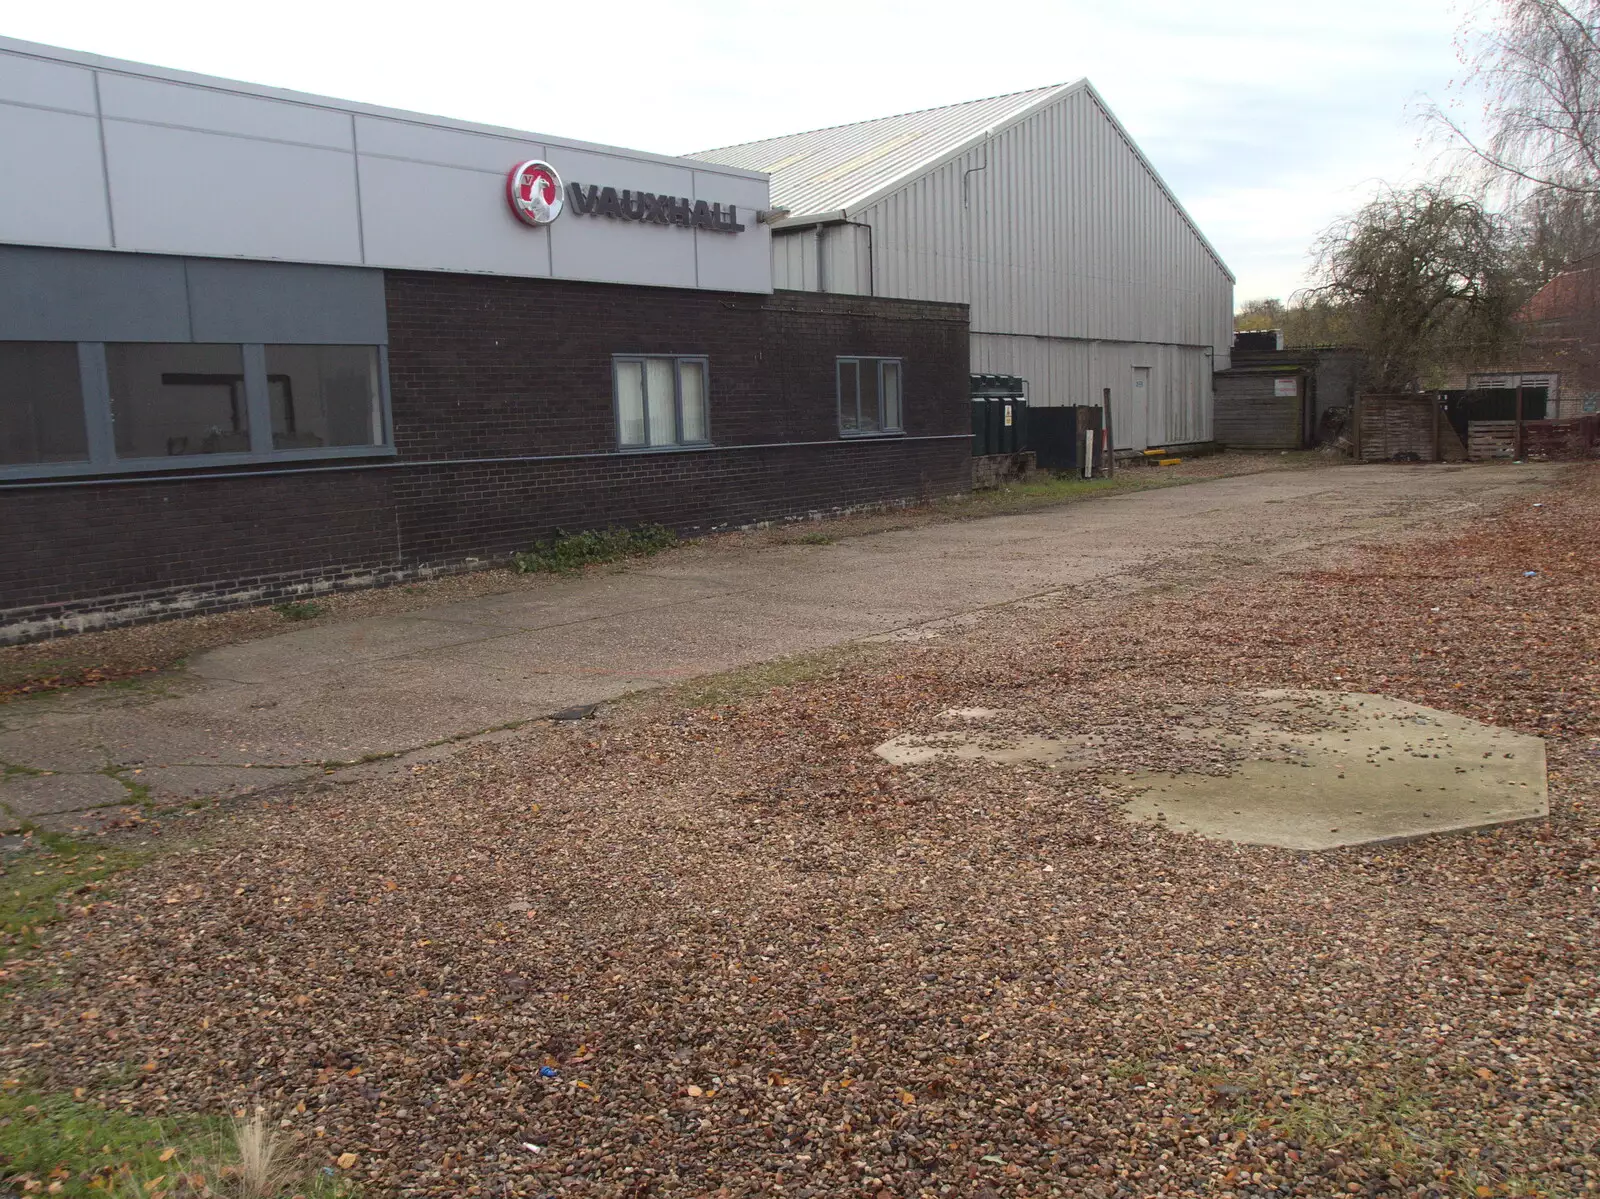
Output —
(1380, 770)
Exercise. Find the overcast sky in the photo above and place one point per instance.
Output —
(1267, 121)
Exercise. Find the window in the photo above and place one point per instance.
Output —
(869, 396)
(661, 402)
(41, 404)
(171, 400)
(92, 407)
(324, 396)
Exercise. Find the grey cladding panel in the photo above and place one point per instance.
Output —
(82, 295)
(74, 295)
(285, 302)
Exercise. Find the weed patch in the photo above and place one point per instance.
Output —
(53, 1144)
(299, 609)
(568, 552)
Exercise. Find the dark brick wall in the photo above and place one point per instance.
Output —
(488, 376)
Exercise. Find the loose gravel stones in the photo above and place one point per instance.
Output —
(731, 951)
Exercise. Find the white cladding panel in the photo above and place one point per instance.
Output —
(47, 84)
(616, 251)
(724, 262)
(1054, 227)
(62, 199)
(205, 167)
(157, 102)
(451, 219)
(180, 191)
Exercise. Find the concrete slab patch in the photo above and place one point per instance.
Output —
(1379, 769)
(40, 795)
(176, 784)
(913, 749)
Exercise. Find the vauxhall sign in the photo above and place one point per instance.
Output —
(651, 209)
(535, 193)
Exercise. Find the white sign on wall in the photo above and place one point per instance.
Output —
(1288, 388)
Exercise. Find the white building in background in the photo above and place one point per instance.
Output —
(1084, 272)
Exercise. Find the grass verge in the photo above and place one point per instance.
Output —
(33, 882)
(568, 552)
(61, 1145)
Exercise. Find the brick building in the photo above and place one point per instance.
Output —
(256, 344)
(1558, 366)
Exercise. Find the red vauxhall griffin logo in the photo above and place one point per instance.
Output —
(534, 189)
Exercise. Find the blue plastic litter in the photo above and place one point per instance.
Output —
(548, 1072)
(1528, 574)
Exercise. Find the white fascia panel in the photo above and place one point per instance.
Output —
(25, 80)
(426, 217)
(126, 97)
(607, 250)
(734, 261)
(179, 191)
(55, 191)
(416, 142)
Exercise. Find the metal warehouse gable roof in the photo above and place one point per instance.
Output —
(826, 171)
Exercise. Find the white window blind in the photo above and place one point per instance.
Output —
(662, 401)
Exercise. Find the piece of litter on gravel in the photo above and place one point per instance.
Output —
(531, 1147)
(549, 1072)
(580, 712)
(1528, 574)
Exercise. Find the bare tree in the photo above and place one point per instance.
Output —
(1307, 320)
(1419, 279)
(1537, 62)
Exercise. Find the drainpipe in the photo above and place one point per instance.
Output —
(872, 275)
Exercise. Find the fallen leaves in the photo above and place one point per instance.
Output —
(763, 957)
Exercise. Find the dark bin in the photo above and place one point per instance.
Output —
(999, 415)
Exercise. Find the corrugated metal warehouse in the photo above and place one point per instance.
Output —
(1084, 272)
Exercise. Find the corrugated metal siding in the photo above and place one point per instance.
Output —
(825, 170)
(1077, 263)
(1063, 372)
(841, 253)
(1055, 227)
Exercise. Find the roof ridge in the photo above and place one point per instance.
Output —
(893, 116)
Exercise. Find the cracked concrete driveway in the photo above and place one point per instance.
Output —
(339, 696)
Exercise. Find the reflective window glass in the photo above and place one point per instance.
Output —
(171, 400)
(41, 403)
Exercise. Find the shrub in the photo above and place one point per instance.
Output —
(567, 552)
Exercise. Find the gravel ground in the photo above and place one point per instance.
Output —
(727, 951)
(92, 659)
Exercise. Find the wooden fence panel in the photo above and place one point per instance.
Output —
(1398, 426)
(1542, 440)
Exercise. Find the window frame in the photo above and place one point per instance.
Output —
(94, 386)
(677, 361)
(878, 362)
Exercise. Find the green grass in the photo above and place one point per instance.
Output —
(34, 881)
(816, 538)
(568, 552)
(1399, 1125)
(1044, 491)
(90, 1150)
(299, 609)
